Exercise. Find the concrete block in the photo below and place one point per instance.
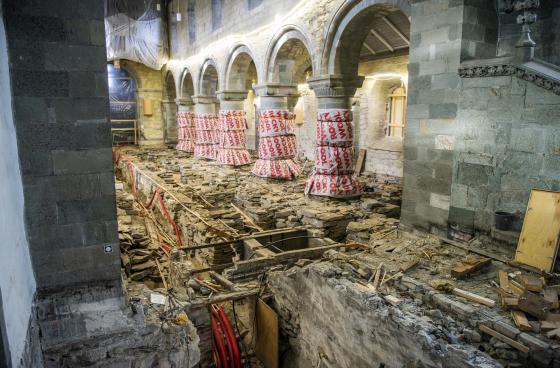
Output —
(73, 109)
(75, 58)
(437, 66)
(459, 195)
(462, 217)
(539, 96)
(418, 111)
(445, 81)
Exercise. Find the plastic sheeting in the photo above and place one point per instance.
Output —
(333, 173)
(277, 146)
(137, 31)
(185, 131)
(232, 150)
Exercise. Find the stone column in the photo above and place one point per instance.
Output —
(276, 140)
(170, 124)
(206, 127)
(333, 173)
(232, 125)
(185, 125)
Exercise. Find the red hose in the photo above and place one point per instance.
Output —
(226, 346)
(175, 227)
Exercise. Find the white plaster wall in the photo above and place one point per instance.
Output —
(17, 281)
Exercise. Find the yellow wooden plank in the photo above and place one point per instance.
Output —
(266, 347)
(538, 242)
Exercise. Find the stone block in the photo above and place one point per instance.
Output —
(75, 58)
(34, 28)
(474, 175)
(445, 110)
(40, 83)
(82, 162)
(440, 201)
(462, 217)
(79, 211)
(506, 329)
(533, 342)
(445, 81)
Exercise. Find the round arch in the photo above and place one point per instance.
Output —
(169, 87)
(186, 85)
(344, 15)
(209, 78)
(240, 58)
(289, 33)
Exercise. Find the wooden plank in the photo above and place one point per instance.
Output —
(511, 302)
(473, 297)
(516, 288)
(360, 162)
(521, 320)
(538, 241)
(534, 304)
(504, 280)
(549, 325)
(266, 345)
(503, 338)
(553, 333)
(551, 296)
(472, 264)
(531, 283)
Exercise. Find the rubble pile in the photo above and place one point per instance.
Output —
(368, 229)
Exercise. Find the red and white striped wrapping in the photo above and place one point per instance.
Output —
(336, 186)
(277, 169)
(277, 146)
(334, 160)
(232, 139)
(334, 156)
(206, 136)
(274, 148)
(185, 131)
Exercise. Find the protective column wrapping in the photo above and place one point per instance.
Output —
(277, 146)
(233, 149)
(137, 31)
(185, 131)
(333, 173)
(206, 136)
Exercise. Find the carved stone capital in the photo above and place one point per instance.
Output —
(275, 89)
(232, 95)
(335, 85)
(184, 101)
(202, 99)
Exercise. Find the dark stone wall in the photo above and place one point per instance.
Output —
(59, 82)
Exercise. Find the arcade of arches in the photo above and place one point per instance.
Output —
(296, 183)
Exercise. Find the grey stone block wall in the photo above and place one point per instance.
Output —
(59, 84)
(435, 54)
(509, 144)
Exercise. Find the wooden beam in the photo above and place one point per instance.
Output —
(396, 30)
(383, 41)
(370, 49)
(503, 338)
(473, 297)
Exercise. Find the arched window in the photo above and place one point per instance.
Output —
(122, 100)
(396, 112)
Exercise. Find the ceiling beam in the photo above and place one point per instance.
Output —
(370, 49)
(396, 30)
(383, 41)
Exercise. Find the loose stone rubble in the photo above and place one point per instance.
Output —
(373, 287)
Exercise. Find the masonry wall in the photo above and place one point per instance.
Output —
(17, 284)
(509, 143)
(148, 87)
(432, 112)
(60, 99)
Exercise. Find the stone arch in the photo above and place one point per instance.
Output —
(169, 87)
(347, 22)
(209, 80)
(290, 43)
(187, 85)
(241, 67)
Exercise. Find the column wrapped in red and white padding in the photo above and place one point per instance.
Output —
(277, 146)
(206, 136)
(232, 138)
(185, 131)
(333, 173)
